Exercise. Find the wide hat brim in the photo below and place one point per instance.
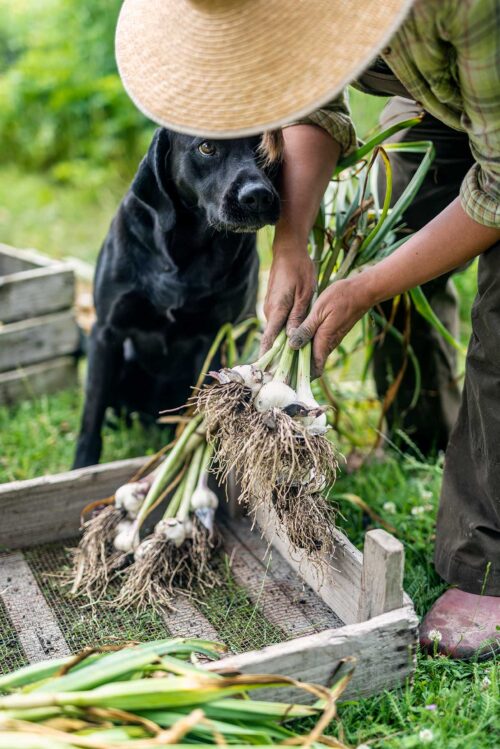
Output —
(229, 68)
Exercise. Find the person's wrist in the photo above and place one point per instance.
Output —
(288, 237)
(290, 246)
(363, 290)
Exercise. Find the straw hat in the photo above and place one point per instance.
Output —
(223, 68)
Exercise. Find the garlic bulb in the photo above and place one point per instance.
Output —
(172, 530)
(124, 526)
(305, 396)
(253, 378)
(126, 538)
(206, 516)
(274, 395)
(143, 549)
(130, 497)
(245, 374)
(203, 497)
(319, 425)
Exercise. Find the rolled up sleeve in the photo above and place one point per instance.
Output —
(335, 118)
(476, 39)
(482, 205)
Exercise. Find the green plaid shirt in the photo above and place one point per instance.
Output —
(447, 56)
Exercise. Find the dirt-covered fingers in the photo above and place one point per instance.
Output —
(290, 288)
(333, 315)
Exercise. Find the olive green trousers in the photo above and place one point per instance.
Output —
(467, 424)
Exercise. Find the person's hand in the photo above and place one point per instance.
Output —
(289, 291)
(333, 315)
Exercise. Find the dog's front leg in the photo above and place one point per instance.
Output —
(104, 360)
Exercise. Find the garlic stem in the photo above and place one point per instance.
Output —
(192, 476)
(316, 424)
(176, 500)
(169, 468)
(205, 463)
(304, 390)
(285, 366)
(204, 498)
(266, 359)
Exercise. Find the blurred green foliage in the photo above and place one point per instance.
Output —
(62, 105)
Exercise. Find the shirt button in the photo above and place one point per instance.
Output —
(387, 51)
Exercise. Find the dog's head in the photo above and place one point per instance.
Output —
(230, 181)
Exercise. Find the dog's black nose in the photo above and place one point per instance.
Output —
(256, 197)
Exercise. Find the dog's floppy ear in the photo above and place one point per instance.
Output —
(271, 151)
(149, 210)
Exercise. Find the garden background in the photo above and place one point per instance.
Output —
(70, 141)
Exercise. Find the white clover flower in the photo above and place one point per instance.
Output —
(426, 736)
(419, 510)
(363, 746)
(389, 507)
(485, 683)
(435, 635)
(426, 494)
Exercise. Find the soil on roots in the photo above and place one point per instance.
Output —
(164, 570)
(223, 405)
(308, 520)
(276, 460)
(95, 560)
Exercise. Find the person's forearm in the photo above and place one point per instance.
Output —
(447, 242)
(309, 160)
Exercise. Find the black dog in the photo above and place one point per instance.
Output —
(179, 261)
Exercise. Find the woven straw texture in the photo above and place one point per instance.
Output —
(222, 68)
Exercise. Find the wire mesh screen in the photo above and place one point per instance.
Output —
(250, 607)
(11, 652)
(82, 625)
(240, 623)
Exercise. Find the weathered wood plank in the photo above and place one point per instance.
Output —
(11, 263)
(38, 379)
(36, 292)
(83, 271)
(382, 576)
(337, 580)
(262, 590)
(48, 508)
(186, 620)
(230, 492)
(297, 591)
(384, 648)
(37, 339)
(19, 260)
(31, 616)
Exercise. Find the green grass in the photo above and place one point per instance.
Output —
(59, 219)
(38, 437)
(70, 215)
(456, 702)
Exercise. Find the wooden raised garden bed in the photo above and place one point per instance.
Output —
(273, 610)
(38, 332)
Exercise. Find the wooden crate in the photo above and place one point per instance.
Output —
(38, 332)
(361, 602)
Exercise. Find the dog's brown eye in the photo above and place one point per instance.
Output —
(207, 149)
